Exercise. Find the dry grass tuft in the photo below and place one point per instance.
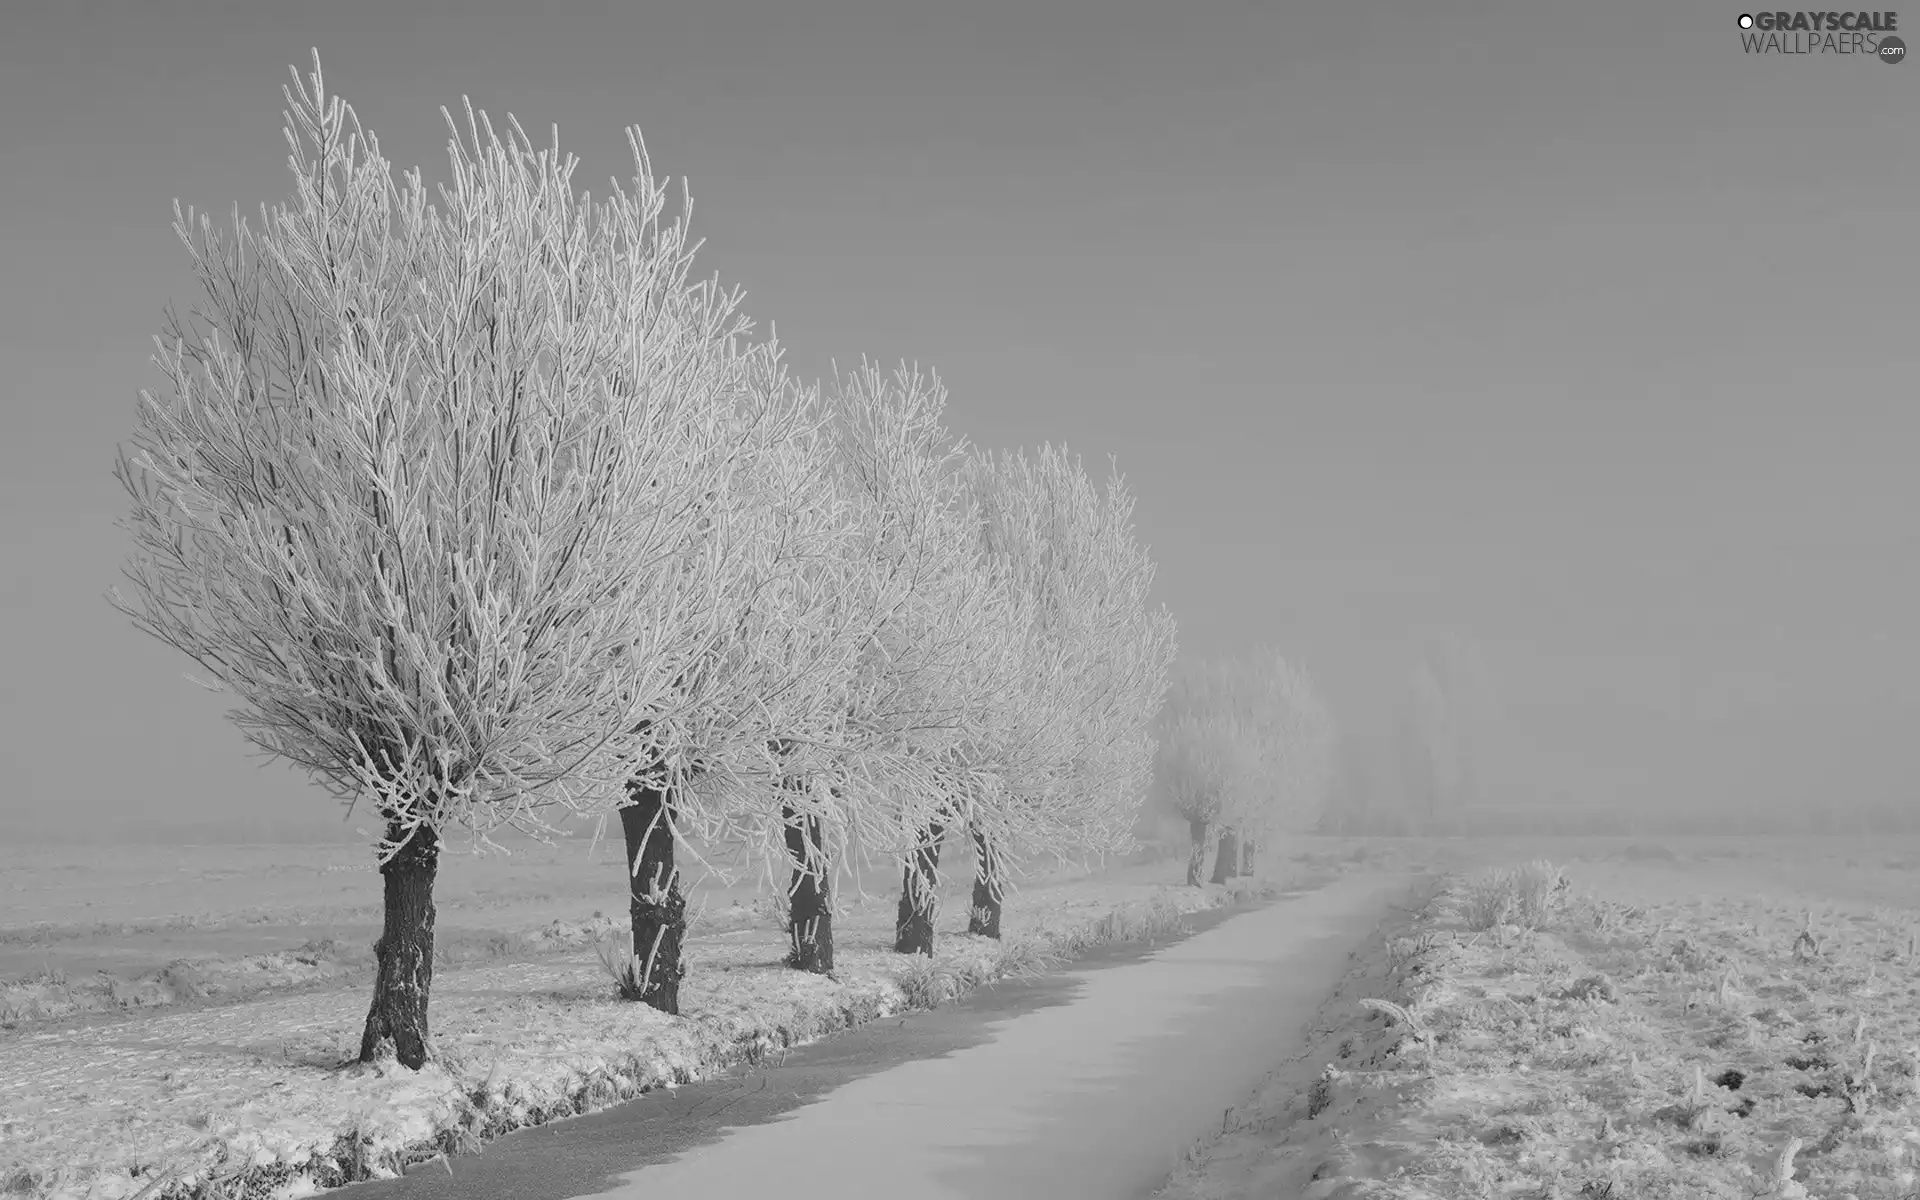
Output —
(1528, 896)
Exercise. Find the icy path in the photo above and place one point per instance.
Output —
(1091, 1092)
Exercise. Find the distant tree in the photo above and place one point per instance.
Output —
(1247, 750)
(1194, 763)
(934, 663)
(764, 690)
(434, 494)
(1204, 755)
(1448, 725)
(1068, 775)
(1353, 804)
(1003, 680)
(1296, 741)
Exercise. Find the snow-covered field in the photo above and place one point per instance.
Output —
(201, 1097)
(102, 929)
(77, 910)
(1712, 1022)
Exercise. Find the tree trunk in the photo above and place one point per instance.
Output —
(987, 894)
(1229, 856)
(404, 953)
(655, 903)
(1246, 857)
(809, 907)
(913, 927)
(1197, 858)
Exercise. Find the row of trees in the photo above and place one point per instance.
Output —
(1246, 751)
(491, 515)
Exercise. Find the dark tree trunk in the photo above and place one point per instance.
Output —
(1229, 856)
(1246, 857)
(987, 894)
(809, 907)
(655, 903)
(404, 953)
(1197, 857)
(913, 928)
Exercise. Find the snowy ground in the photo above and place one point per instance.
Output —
(1664, 1031)
(248, 1096)
(102, 929)
(78, 910)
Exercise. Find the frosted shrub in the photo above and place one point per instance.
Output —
(1529, 896)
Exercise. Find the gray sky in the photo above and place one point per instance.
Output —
(1570, 326)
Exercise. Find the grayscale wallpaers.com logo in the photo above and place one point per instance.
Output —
(1867, 34)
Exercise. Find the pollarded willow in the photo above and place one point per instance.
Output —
(434, 493)
(941, 648)
(1070, 759)
(1246, 750)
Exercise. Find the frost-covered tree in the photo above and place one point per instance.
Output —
(1449, 723)
(1293, 735)
(1071, 758)
(1200, 759)
(434, 493)
(764, 688)
(1246, 751)
(934, 659)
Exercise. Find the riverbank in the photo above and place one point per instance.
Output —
(249, 1100)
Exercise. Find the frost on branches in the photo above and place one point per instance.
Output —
(433, 493)
(1449, 728)
(942, 654)
(816, 716)
(490, 514)
(1069, 753)
(1292, 732)
(762, 694)
(1246, 748)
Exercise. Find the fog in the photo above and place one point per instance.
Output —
(1573, 340)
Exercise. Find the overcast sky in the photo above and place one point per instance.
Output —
(1569, 327)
